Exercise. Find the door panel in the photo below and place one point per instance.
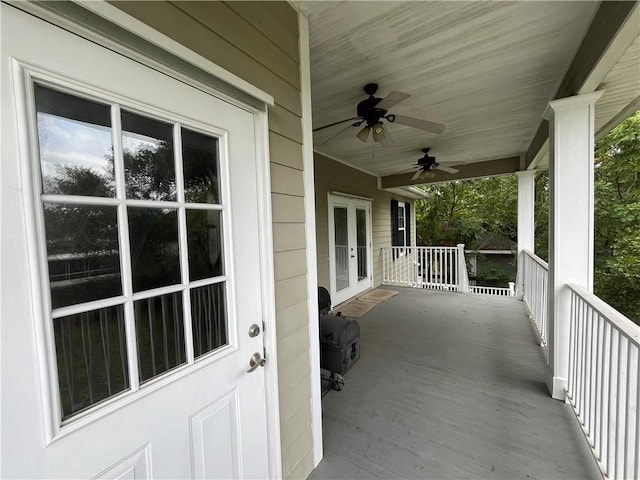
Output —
(132, 254)
(349, 246)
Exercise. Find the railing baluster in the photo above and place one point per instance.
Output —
(636, 464)
(67, 354)
(613, 404)
(165, 333)
(122, 341)
(597, 424)
(106, 346)
(571, 381)
(86, 351)
(606, 396)
(592, 372)
(631, 411)
(621, 407)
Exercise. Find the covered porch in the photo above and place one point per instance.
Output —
(450, 385)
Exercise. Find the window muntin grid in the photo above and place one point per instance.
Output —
(123, 188)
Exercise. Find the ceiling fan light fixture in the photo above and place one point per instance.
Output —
(378, 132)
(363, 135)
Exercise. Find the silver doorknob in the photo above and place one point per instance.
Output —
(254, 330)
(256, 361)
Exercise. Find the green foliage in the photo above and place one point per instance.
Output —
(462, 211)
(541, 215)
(472, 212)
(493, 276)
(617, 218)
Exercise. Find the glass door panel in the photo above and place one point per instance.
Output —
(361, 243)
(341, 247)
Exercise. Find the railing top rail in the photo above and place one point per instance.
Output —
(624, 325)
(424, 247)
(536, 259)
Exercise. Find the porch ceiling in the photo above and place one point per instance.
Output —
(484, 69)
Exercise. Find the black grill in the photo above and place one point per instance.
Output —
(339, 343)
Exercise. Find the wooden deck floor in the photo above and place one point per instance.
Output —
(449, 386)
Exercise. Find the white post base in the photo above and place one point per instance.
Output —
(557, 386)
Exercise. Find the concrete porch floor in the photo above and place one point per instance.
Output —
(449, 386)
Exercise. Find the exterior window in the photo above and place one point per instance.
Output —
(400, 226)
(402, 234)
(132, 216)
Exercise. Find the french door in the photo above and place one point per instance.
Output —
(132, 344)
(349, 247)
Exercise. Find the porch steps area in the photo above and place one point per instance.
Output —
(449, 385)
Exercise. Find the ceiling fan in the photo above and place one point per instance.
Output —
(373, 110)
(427, 164)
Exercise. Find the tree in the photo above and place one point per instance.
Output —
(473, 212)
(617, 218)
(461, 211)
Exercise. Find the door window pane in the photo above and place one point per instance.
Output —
(204, 235)
(153, 234)
(82, 253)
(160, 334)
(341, 247)
(92, 357)
(209, 318)
(200, 164)
(74, 136)
(149, 165)
(361, 240)
(85, 261)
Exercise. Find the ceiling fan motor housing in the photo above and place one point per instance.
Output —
(428, 162)
(367, 110)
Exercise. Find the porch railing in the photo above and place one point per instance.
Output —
(535, 295)
(434, 268)
(603, 385)
(499, 291)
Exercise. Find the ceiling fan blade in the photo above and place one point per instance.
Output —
(335, 135)
(335, 123)
(417, 175)
(392, 99)
(448, 169)
(418, 123)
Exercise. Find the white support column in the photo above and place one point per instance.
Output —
(526, 227)
(571, 137)
(310, 231)
(463, 274)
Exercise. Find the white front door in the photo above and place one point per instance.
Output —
(349, 247)
(130, 269)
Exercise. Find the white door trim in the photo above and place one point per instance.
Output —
(264, 193)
